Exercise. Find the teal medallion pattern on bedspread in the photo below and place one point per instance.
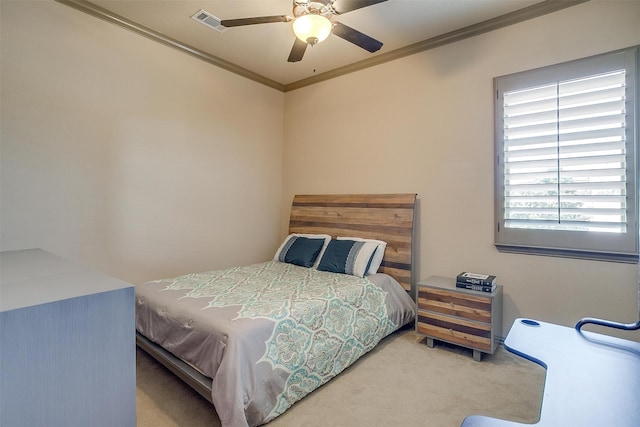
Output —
(323, 321)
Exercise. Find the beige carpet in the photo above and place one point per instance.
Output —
(402, 382)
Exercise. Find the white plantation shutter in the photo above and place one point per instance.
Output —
(564, 155)
(565, 142)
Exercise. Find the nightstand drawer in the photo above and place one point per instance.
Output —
(455, 330)
(459, 316)
(467, 306)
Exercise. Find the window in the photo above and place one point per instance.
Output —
(566, 159)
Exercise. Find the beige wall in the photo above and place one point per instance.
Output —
(424, 124)
(130, 156)
(144, 162)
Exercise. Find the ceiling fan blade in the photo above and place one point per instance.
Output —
(297, 51)
(356, 37)
(251, 21)
(344, 6)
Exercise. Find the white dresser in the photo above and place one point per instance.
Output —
(67, 344)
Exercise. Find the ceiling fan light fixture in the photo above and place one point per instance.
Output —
(312, 28)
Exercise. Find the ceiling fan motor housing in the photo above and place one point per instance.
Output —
(301, 8)
(312, 23)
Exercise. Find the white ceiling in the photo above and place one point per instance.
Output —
(263, 48)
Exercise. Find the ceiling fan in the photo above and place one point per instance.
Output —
(313, 22)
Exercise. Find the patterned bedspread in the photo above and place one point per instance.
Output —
(268, 334)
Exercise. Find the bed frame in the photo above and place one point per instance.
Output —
(387, 217)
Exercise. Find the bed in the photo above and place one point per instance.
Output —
(255, 339)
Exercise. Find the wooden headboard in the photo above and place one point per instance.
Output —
(387, 217)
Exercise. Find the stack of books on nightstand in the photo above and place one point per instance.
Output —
(476, 282)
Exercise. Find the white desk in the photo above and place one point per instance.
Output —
(593, 380)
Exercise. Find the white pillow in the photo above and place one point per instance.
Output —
(377, 256)
(348, 256)
(326, 237)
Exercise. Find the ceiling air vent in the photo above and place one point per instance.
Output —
(209, 20)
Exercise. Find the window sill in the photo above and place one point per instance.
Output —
(569, 253)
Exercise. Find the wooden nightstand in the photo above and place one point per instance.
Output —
(472, 319)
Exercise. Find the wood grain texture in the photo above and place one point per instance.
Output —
(459, 316)
(455, 304)
(457, 336)
(386, 217)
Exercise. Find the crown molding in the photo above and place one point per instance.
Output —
(530, 12)
(534, 11)
(98, 12)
